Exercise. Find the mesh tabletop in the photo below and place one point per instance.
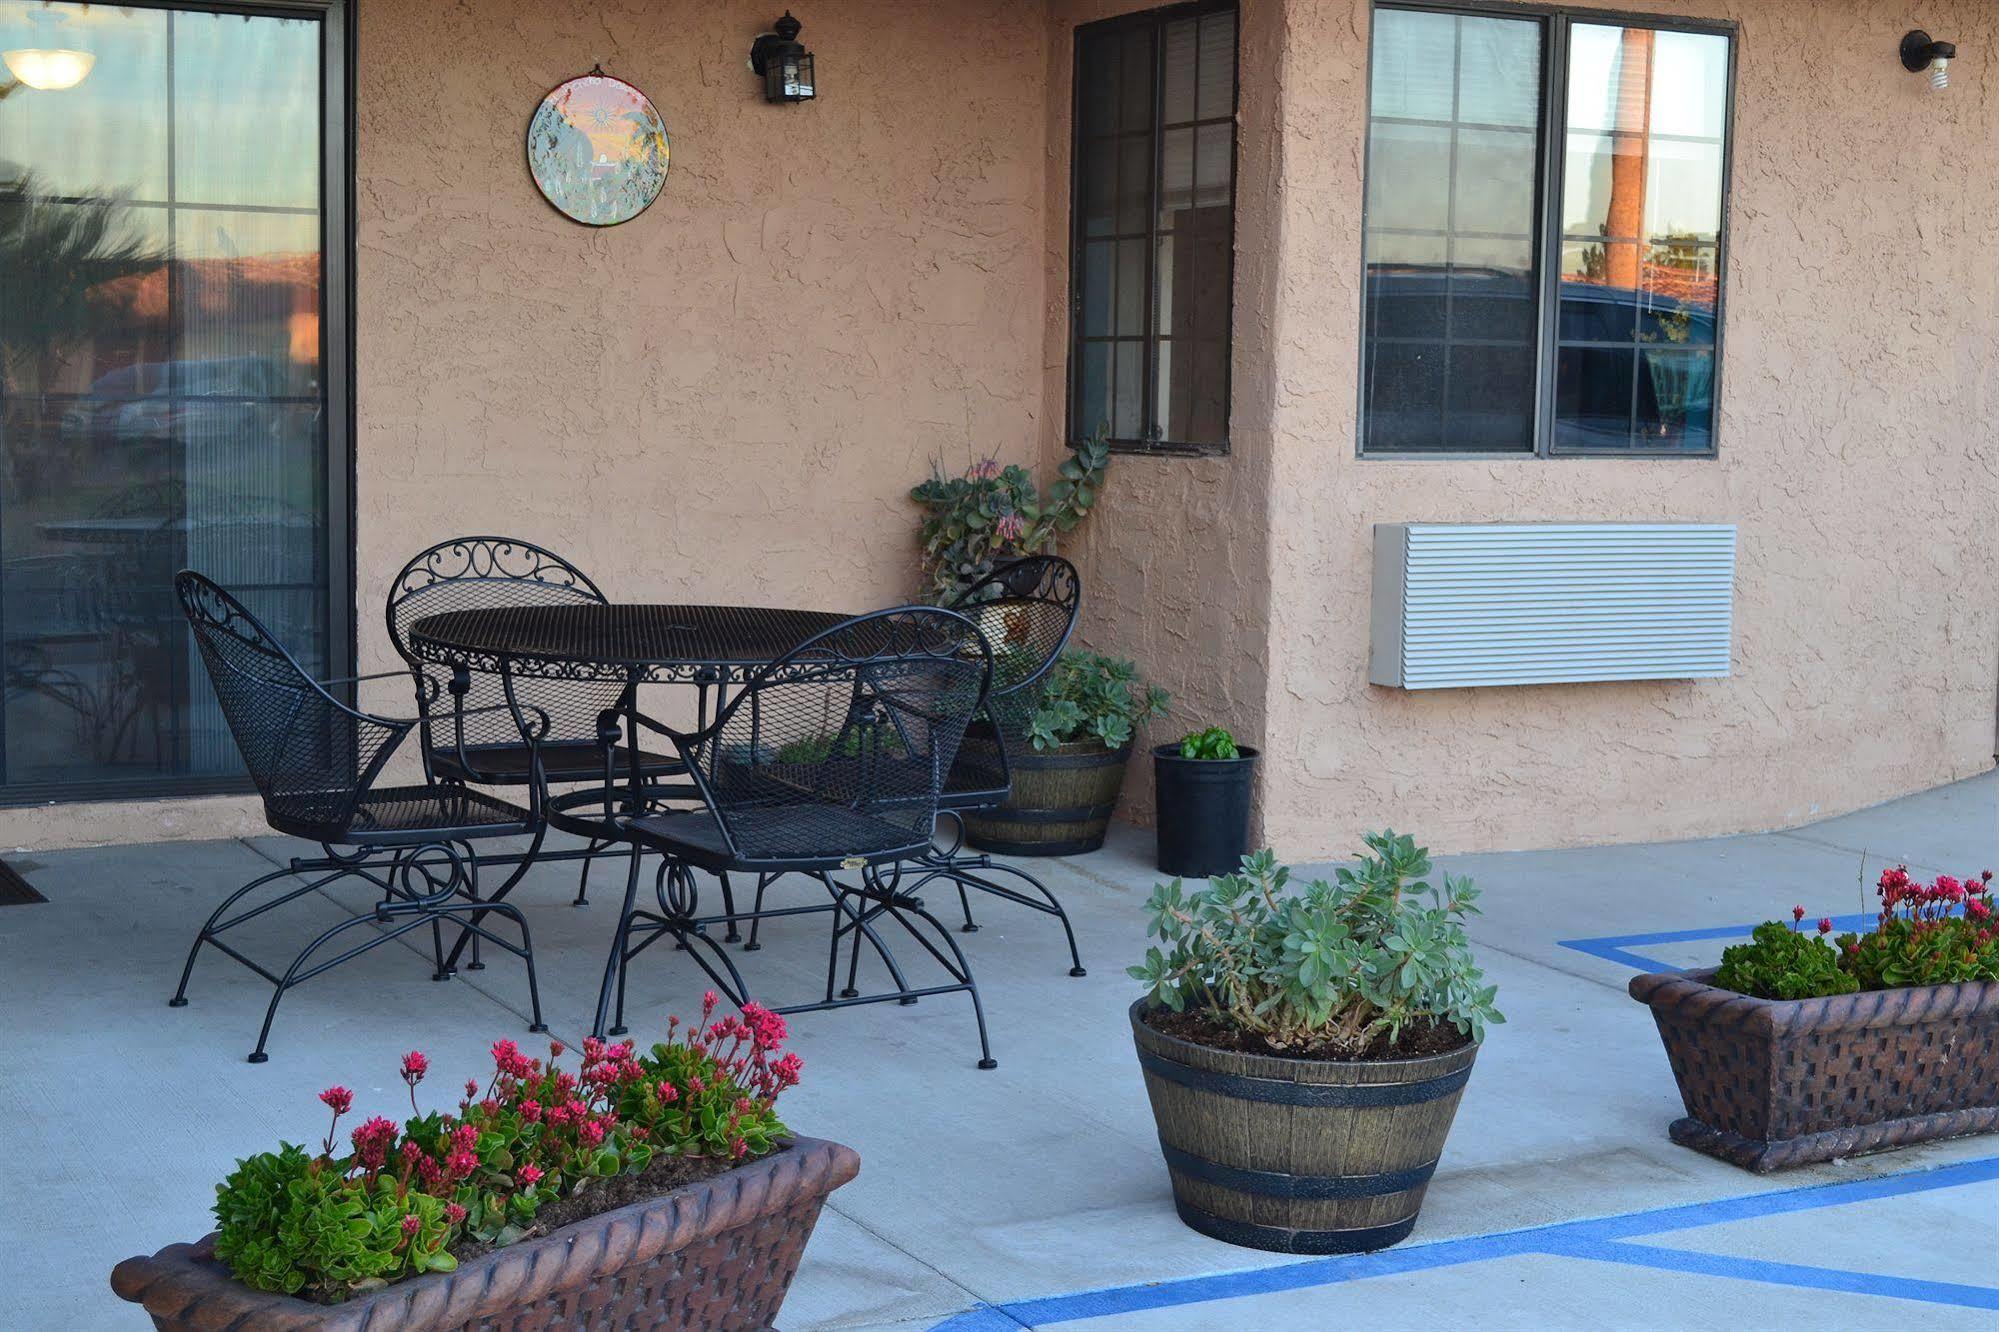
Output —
(622, 642)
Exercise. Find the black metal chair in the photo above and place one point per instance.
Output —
(1027, 610)
(482, 747)
(316, 762)
(829, 760)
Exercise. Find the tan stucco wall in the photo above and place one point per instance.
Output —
(729, 397)
(1857, 455)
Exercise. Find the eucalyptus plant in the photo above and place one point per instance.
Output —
(1327, 969)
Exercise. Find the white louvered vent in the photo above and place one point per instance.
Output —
(1459, 604)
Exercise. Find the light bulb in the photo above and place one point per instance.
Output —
(1940, 73)
(50, 69)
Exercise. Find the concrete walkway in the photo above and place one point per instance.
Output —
(1032, 1195)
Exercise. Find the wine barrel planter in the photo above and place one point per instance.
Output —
(1773, 1083)
(717, 1255)
(1202, 807)
(1061, 800)
(1298, 1155)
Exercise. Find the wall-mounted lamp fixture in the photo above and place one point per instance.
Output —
(1920, 53)
(786, 66)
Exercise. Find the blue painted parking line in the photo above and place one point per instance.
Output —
(1602, 1240)
(1616, 947)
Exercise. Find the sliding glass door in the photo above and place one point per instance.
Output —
(172, 374)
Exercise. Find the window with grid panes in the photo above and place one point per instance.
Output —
(1154, 222)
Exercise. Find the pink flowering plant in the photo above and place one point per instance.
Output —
(402, 1196)
(992, 513)
(1942, 932)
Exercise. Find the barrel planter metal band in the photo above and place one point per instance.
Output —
(1298, 1155)
(1278, 1092)
(1061, 802)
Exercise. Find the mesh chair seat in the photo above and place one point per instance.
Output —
(565, 761)
(798, 836)
(428, 813)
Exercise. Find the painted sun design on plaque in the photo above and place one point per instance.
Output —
(597, 150)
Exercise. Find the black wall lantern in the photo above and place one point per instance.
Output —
(1920, 53)
(785, 65)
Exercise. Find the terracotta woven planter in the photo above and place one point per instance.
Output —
(717, 1255)
(1772, 1083)
(1061, 800)
(1298, 1155)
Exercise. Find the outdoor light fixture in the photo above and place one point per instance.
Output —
(50, 69)
(1919, 53)
(786, 66)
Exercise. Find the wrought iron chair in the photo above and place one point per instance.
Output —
(1026, 609)
(316, 761)
(831, 759)
(584, 741)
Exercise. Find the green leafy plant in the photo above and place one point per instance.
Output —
(1213, 743)
(992, 513)
(1326, 970)
(1087, 695)
(1945, 932)
(328, 1226)
(1783, 963)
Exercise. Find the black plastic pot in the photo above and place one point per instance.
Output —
(1202, 808)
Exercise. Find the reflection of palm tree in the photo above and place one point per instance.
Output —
(53, 256)
(649, 142)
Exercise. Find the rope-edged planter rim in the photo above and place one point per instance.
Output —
(1693, 995)
(182, 1285)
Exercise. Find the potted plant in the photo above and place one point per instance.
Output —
(1801, 1047)
(992, 514)
(1201, 794)
(658, 1187)
(1305, 1050)
(1066, 749)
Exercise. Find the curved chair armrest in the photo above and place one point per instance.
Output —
(427, 687)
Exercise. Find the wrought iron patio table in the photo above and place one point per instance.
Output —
(708, 646)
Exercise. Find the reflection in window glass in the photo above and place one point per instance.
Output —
(162, 402)
(1641, 224)
(1451, 299)
(1154, 225)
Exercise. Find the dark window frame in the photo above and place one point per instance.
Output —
(339, 50)
(1551, 162)
(1155, 19)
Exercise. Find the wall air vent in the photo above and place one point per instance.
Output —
(1462, 604)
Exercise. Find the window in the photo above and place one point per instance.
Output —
(1524, 299)
(1152, 250)
(173, 372)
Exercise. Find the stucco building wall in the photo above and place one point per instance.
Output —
(729, 398)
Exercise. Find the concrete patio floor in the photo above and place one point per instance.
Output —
(1031, 1195)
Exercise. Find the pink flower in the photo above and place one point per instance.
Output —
(1797, 913)
(471, 1089)
(1009, 526)
(371, 1142)
(555, 1049)
(668, 1093)
(986, 469)
(590, 1132)
(411, 1224)
(453, 1213)
(1825, 924)
(739, 1149)
(461, 1163)
(338, 1099)
(695, 1085)
(530, 1175)
(415, 1065)
(531, 1111)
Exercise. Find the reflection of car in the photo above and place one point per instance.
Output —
(172, 400)
(1480, 324)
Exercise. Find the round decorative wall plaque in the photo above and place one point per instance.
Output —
(597, 149)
